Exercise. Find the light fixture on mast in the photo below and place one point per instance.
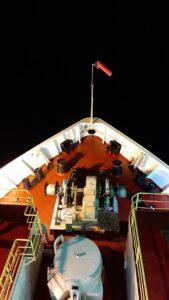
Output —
(101, 66)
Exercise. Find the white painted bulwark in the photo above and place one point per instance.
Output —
(24, 165)
(160, 176)
(35, 159)
(5, 184)
(16, 171)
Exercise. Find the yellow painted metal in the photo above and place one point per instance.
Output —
(136, 200)
(28, 248)
(137, 250)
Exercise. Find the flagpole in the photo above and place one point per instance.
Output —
(101, 66)
(92, 91)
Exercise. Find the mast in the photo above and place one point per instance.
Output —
(108, 72)
(92, 91)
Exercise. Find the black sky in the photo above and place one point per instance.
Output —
(48, 53)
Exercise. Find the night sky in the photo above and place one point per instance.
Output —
(47, 53)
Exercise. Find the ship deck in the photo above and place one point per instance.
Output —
(92, 155)
(152, 226)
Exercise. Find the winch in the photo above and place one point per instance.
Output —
(93, 207)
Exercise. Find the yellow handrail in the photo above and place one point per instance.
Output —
(136, 201)
(138, 198)
(22, 247)
(138, 257)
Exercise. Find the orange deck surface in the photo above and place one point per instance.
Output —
(93, 155)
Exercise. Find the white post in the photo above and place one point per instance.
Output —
(104, 134)
(92, 90)
(79, 134)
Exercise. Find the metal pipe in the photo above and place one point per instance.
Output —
(92, 91)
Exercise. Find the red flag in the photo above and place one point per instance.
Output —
(102, 67)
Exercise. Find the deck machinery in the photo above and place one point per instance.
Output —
(93, 207)
(77, 269)
(81, 205)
